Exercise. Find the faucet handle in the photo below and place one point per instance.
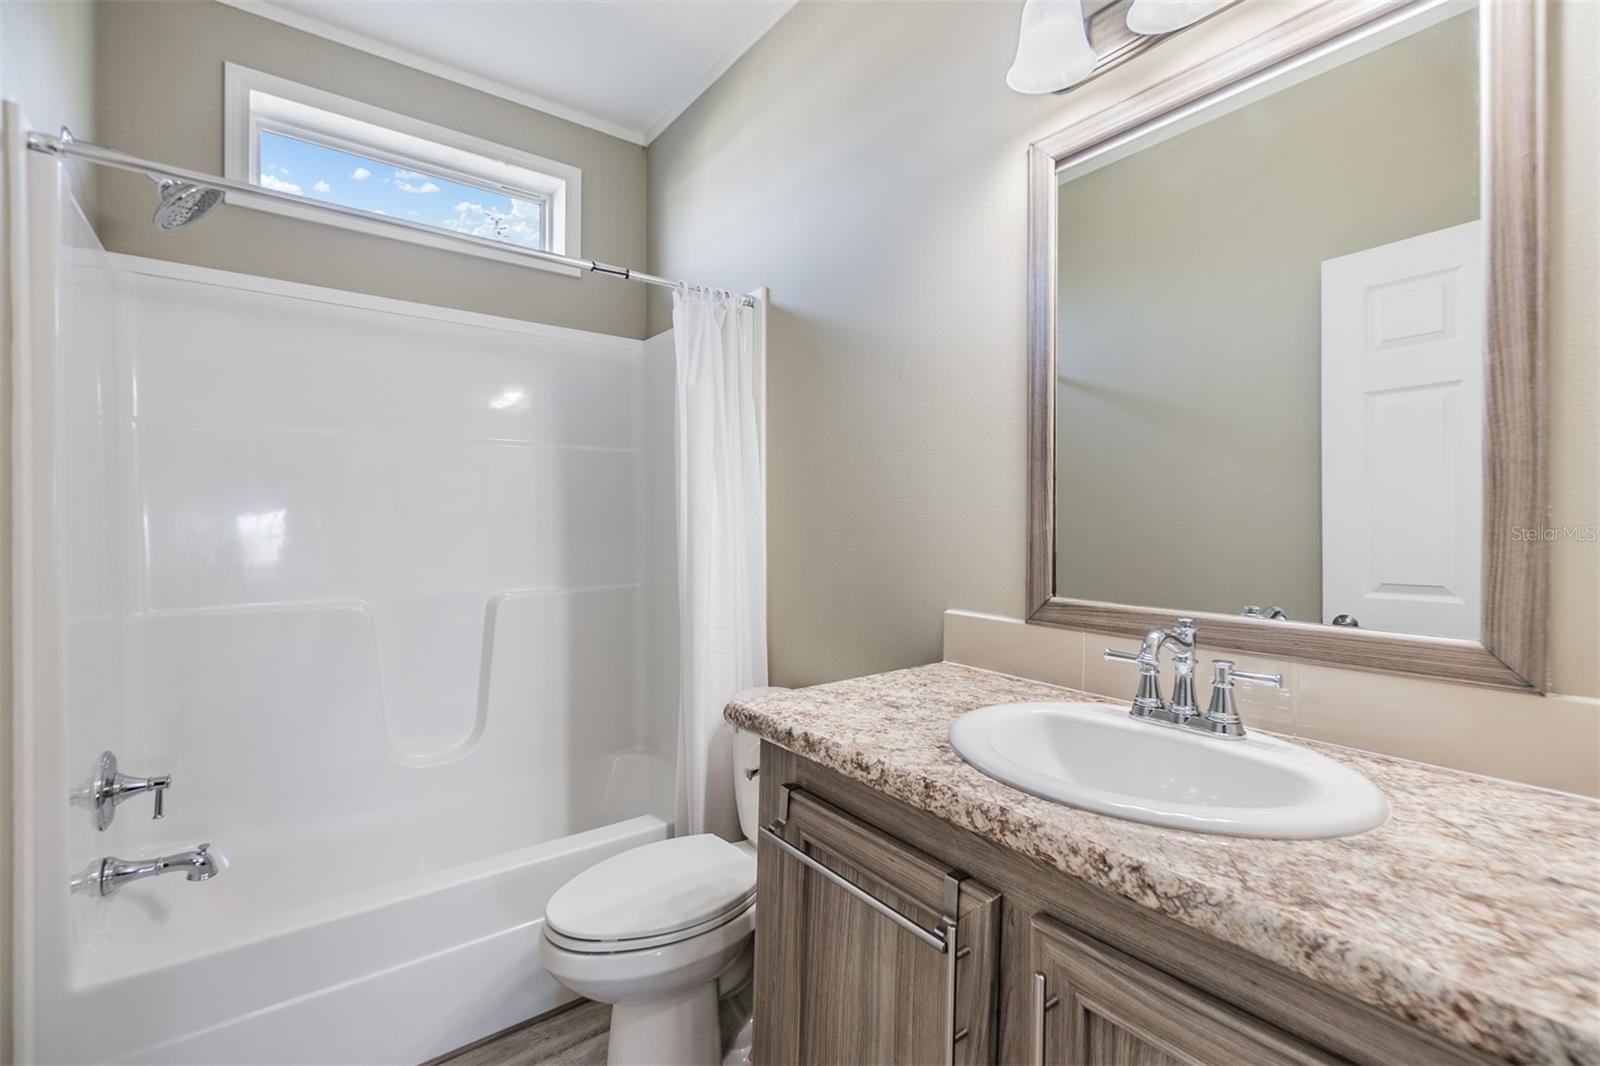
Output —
(109, 786)
(1275, 680)
(1222, 716)
(1224, 675)
(1147, 699)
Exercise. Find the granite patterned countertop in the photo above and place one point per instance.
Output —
(1474, 912)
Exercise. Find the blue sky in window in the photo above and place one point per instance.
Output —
(318, 173)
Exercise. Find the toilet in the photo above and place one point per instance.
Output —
(660, 931)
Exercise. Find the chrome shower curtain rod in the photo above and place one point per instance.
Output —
(66, 145)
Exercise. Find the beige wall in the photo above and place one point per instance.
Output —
(47, 66)
(866, 162)
(159, 95)
(1188, 415)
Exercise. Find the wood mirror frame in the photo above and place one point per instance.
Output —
(1512, 88)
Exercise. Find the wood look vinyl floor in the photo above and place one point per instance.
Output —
(575, 1036)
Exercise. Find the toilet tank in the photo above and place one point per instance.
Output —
(747, 757)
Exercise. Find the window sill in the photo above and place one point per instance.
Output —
(380, 228)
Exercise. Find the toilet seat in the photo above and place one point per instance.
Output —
(649, 897)
(646, 943)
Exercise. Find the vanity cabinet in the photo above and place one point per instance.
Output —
(1093, 1004)
(874, 952)
(855, 892)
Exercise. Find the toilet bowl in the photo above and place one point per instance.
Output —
(658, 930)
(650, 931)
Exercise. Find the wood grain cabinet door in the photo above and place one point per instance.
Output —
(855, 962)
(1094, 1006)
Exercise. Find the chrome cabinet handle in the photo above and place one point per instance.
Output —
(953, 954)
(933, 940)
(1042, 1004)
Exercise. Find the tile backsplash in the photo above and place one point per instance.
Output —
(1550, 741)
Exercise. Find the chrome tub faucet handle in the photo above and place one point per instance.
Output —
(110, 787)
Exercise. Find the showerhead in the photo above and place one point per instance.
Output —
(182, 203)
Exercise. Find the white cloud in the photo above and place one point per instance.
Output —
(321, 186)
(269, 181)
(407, 175)
(518, 226)
(406, 186)
(361, 174)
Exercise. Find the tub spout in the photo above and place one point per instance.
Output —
(106, 875)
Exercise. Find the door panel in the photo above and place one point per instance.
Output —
(838, 979)
(1095, 1005)
(1402, 434)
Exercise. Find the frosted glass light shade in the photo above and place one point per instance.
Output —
(1152, 17)
(1053, 49)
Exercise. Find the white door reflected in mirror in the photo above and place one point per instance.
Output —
(1402, 434)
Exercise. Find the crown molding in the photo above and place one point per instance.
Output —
(363, 43)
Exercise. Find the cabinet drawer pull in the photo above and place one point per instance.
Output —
(933, 940)
(1041, 1005)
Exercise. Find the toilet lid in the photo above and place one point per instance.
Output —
(655, 889)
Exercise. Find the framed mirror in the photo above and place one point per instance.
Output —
(1286, 348)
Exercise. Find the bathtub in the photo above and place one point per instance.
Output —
(386, 589)
(396, 974)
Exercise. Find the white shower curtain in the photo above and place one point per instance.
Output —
(722, 542)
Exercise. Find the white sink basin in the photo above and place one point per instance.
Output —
(1094, 756)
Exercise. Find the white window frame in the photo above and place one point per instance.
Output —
(254, 101)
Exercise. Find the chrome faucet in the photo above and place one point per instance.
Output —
(1147, 701)
(1182, 709)
(105, 876)
(1221, 718)
(109, 787)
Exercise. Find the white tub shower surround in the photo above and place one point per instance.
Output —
(382, 587)
(722, 541)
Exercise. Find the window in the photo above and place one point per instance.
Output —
(298, 140)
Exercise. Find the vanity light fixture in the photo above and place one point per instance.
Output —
(1053, 50)
(1154, 17)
